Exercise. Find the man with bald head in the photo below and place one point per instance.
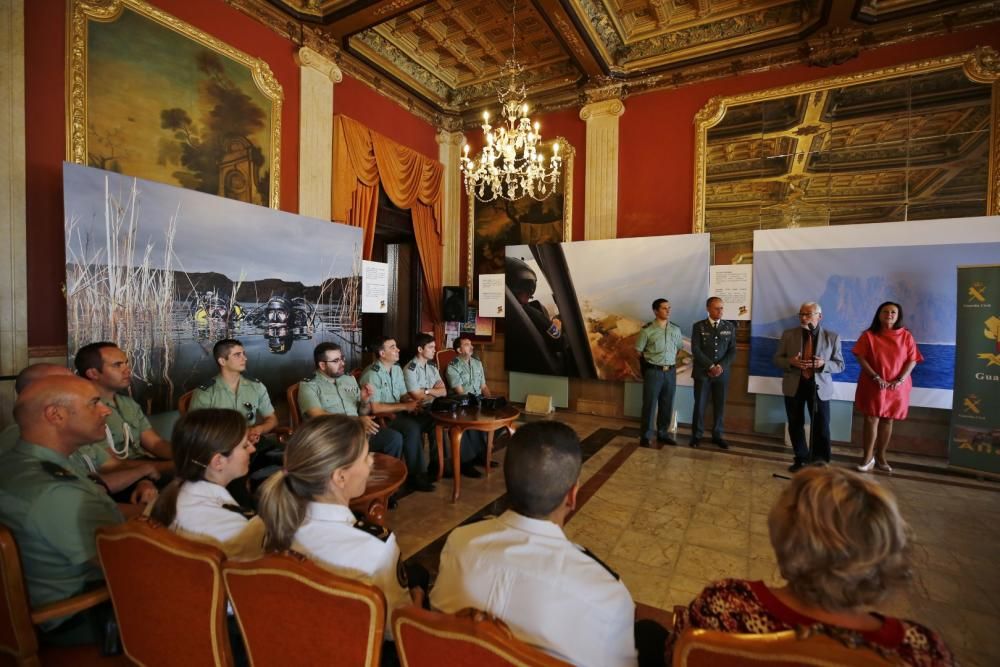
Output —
(9, 436)
(52, 509)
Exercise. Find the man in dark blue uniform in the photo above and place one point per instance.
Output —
(713, 344)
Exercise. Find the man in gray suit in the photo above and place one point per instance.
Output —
(809, 355)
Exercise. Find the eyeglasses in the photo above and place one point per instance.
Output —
(807, 314)
(333, 361)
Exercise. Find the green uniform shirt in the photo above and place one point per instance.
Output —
(250, 400)
(419, 376)
(659, 345)
(471, 376)
(389, 384)
(127, 422)
(53, 512)
(337, 396)
(87, 460)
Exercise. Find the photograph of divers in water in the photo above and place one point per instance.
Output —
(166, 272)
(576, 309)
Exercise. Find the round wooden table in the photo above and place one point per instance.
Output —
(466, 419)
(388, 474)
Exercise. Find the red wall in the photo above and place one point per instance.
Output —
(45, 133)
(656, 159)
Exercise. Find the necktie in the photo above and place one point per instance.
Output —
(807, 353)
(715, 325)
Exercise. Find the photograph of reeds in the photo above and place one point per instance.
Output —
(166, 272)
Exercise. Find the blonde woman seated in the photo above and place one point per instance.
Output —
(210, 449)
(842, 546)
(305, 508)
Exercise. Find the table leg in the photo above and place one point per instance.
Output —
(489, 452)
(439, 441)
(456, 461)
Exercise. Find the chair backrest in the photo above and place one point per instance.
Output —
(444, 358)
(356, 373)
(289, 606)
(431, 639)
(184, 402)
(17, 633)
(294, 416)
(697, 648)
(168, 595)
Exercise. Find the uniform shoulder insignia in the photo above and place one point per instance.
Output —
(247, 377)
(433, 363)
(454, 361)
(374, 367)
(373, 529)
(412, 366)
(600, 562)
(208, 385)
(245, 512)
(308, 379)
(57, 470)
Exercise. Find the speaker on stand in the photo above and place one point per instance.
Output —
(455, 303)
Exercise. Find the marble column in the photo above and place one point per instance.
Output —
(317, 76)
(449, 151)
(600, 209)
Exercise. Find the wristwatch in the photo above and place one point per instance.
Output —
(426, 391)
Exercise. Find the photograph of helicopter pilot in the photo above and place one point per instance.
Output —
(166, 272)
(575, 309)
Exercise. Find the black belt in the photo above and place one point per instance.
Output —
(665, 368)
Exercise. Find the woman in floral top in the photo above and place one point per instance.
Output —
(842, 546)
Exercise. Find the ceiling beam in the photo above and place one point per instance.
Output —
(361, 16)
(575, 41)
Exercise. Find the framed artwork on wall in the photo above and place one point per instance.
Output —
(153, 97)
(499, 223)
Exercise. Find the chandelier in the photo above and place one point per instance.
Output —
(510, 165)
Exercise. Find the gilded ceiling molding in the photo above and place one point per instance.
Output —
(834, 46)
(402, 62)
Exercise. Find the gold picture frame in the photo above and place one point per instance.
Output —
(171, 145)
(565, 191)
(741, 172)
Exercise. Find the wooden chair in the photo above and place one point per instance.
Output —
(184, 402)
(431, 639)
(18, 619)
(294, 416)
(707, 648)
(291, 609)
(444, 358)
(168, 595)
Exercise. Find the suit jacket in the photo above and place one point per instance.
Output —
(712, 346)
(827, 346)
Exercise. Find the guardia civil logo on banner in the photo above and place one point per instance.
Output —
(975, 417)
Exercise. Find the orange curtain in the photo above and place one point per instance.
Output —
(364, 160)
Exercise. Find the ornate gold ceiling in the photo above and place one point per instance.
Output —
(441, 58)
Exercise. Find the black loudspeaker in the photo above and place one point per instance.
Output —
(456, 300)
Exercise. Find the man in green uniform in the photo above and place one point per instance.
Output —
(390, 397)
(52, 509)
(658, 344)
(232, 390)
(423, 381)
(131, 435)
(331, 391)
(466, 374)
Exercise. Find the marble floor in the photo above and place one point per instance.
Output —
(670, 521)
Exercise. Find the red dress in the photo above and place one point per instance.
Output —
(888, 353)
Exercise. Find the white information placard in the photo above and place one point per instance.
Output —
(732, 283)
(491, 293)
(374, 287)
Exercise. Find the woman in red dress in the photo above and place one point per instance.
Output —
(887, 353)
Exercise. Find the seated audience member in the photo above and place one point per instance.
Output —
(131, 481)
(129, 432)
(53, 509)
(305, 507)
(466, 374)
(211, 449)
(842, 546)
(521, 568)
(331, 391)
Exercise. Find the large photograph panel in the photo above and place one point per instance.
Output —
(166, 272)
(850, 270)
(575, 309)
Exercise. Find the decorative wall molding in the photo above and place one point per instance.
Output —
(600, 208)
(449, 151)
(317, 75)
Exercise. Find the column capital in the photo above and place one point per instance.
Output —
(307, 57)
(449, 138)
(609, 107)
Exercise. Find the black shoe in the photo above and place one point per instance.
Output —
(482, 462)
(420, 483)
(795, 467)
(432, 473)
(393, 502)
(694, 442)
(665, 439)
(720, 443)
(469, 470)
(644, 442)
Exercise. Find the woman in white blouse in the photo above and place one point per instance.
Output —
(211, 449)
(305, 508)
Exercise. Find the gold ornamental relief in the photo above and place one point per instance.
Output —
(154, 97)
(916, 141)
